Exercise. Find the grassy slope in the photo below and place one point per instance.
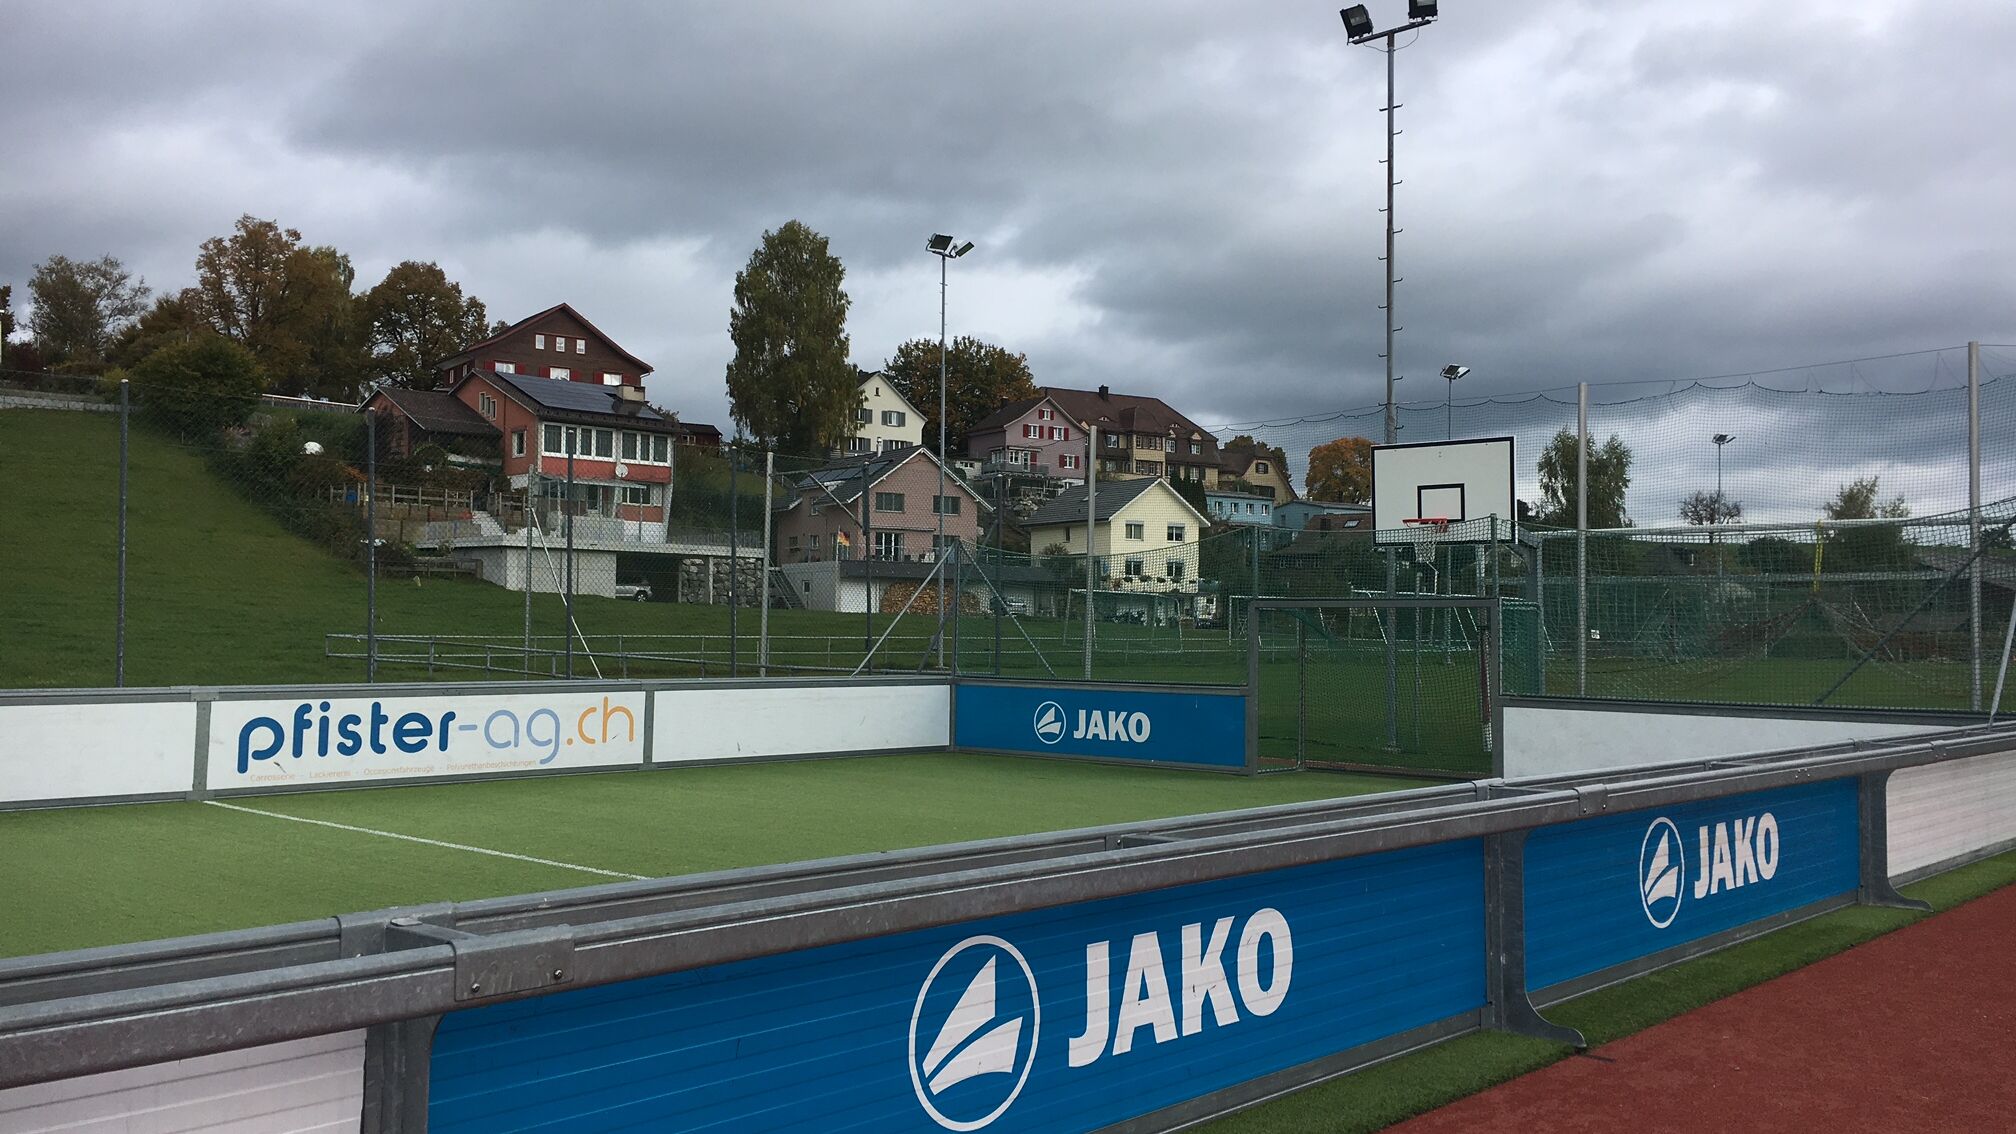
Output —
(96, 876)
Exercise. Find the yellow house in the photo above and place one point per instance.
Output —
(1263, 471)
(1145, 535)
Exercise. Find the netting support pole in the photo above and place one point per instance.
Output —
(1974, 522)
(763, 592)
(370, 547)
(567, 521)
(1391, 616)
(1301, 694)
(1582, 539)
(531, 492)
(1091, 529)
(119, 624)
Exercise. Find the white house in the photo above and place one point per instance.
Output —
(1145, 535)
(1228, 507)
(886, 419)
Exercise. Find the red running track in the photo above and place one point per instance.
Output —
(1913, 1031)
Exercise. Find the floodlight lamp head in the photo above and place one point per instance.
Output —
(962, 250)
(1454, 372)
(1357, 23)
(939, 243)
(1723, 438)
(1421, 9)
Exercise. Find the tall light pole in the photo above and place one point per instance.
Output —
(1720, 439)
(1358, 26)
(943, 247)
(1450, 374)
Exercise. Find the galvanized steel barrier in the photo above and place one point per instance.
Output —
(1133, 977)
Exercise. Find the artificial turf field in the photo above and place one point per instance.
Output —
(81, 877)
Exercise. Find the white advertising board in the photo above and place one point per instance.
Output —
(1944, 812)
(277, 744)
(718, 724)
(84, 751)
(1569, 741)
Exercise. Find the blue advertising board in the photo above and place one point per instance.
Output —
(1070, 1018)
(1606, 891)
(1205, 730)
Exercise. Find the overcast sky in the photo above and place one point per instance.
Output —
(1177, 199)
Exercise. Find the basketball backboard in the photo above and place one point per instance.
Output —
(1457, 481)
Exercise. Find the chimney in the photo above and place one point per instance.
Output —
(629, 399)
(1105, 393)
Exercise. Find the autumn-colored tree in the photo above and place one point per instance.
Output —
(979, 379)
(171, 320)
(287, 302)
(790, 385)
(413, 318)
(1341, 471)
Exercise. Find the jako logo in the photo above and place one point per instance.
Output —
(1662, 870)
(1049, 722)
(1731, 855)
(377, 732)
(982, 1045)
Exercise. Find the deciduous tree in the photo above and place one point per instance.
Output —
(979, 379)
(413, 318)
(1704, 508)
(1341, 471)
(199, 386)
(1609, 477)
(287, 302)
(790, 385)
(79, 306)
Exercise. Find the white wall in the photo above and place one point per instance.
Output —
(1569, 741)
(72, 751)
(302, 1086)
(719, 724)
(1943, 812)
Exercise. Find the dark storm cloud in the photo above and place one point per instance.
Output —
(1178, 199)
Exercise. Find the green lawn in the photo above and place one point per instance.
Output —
(99, 876)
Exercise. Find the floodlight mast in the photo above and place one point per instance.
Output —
(1451, 373)
(940, 245)
(1358, 28)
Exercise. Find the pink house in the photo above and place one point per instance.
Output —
(824, 522)
(1035, 435)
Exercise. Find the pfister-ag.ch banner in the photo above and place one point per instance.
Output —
(1606, 891)
(1174, 727)
(320, 740)
(1071, 1018)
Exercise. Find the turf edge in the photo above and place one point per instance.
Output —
(1413, 1084)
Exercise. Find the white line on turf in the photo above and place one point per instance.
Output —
(428, 842)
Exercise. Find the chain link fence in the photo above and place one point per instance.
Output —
(281, 540)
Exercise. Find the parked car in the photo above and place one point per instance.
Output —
(637, 592)
(1015, 606)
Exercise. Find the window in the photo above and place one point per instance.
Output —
(1249, 507)
(630, 446)
(812, 541)
(605, 442)
(539, 342)
(1175, 570)
(580, 346)
(1068, 461)
(1175, 533)
(890, 444)
(1260, 466)
(610, 378)
(504, 367)
(661, 449)
(888, 502)
(859, 445)
(487, 405)
(808, 586)
(893, 417)
(1148, 468)
(1135, 568)
(1028, 430)
(517, 442)
(636, 494)
(1046, 415)
(1136, 531)
(556, 439)
(888, 545)
(792, 543)
(945, 505)
(561, 372)
(1150, 442)
(864, 415)
(1196, 448)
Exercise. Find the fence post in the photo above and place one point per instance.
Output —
(734, 555)
(370, 548)
(1974, 523)
(1390, 630)
(1582, 539)
(119, 626)
(763, 592)
(1091, 528)
(531, 485)
(567, 519)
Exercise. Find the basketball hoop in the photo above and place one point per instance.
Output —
(1428, 531)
